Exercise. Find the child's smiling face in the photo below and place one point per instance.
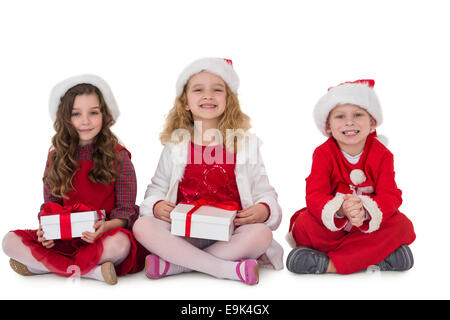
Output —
(87, 117)
(206, 96)
(350, 125)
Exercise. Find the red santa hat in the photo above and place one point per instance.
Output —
(218, 66)
(359, 92)
(60, 89)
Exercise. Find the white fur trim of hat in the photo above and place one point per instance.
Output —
(218, 66)
(60, 89)
(359, 92)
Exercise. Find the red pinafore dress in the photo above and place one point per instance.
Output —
(209, 175)
(68, 257)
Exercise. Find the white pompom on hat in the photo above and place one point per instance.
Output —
(218, 66)
(60, 89)
(359, 92)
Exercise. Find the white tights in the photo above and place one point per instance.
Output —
(219, 259)
(115, 250)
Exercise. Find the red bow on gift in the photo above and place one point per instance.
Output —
(227, 205)
(52, 208)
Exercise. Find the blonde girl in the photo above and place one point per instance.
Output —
(209, 155)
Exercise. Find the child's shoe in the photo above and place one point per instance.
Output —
(20, 268)
(305, 260)
(109, 273)
(399, 260)
(152, 270)
(248, 271)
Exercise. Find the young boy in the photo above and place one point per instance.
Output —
(351, 219)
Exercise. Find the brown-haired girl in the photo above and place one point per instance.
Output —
(86, 165)
(205, 158)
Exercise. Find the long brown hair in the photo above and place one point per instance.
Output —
(62, 163)
(180, 118)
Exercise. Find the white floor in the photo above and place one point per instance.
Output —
(422, 282)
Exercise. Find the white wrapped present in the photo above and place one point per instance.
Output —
(205, 220)
(69, 225)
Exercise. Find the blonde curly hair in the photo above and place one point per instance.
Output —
(233, 118)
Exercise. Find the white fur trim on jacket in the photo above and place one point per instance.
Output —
(374, 212)
(289, 237)
(60, 89)
(216, 66)
(330, 209)
(353, 93)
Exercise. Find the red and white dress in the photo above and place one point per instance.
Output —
(117, 199)
(372, 178)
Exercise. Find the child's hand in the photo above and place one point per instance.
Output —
(357, 217)
(101, 226)
(46, 243)
(254, 214)
(351, 203)
(163, 209)
(353, 209)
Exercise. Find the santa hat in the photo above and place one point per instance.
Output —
(218, 66)
(62, 87)
(359, 92)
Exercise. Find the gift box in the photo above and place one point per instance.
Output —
(205, 220)
(64, 223)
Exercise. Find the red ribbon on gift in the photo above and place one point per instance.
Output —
(52, 208)
(228, 205)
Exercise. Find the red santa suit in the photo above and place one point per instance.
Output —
(372, 178)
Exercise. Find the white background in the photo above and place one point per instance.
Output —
(286, 54)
